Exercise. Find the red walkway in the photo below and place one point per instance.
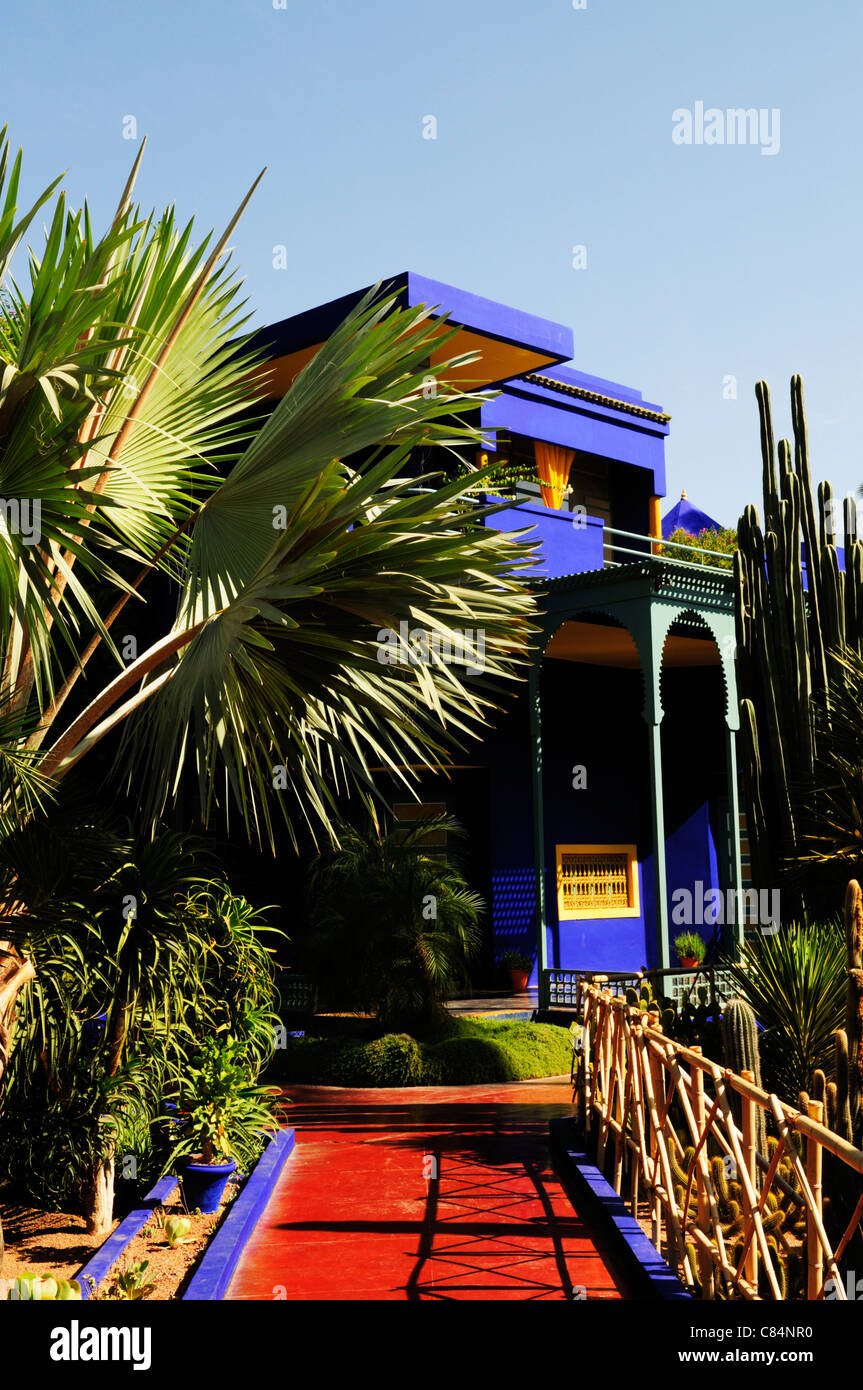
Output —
(432, 1193)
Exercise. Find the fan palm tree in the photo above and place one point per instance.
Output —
(394, 924)
(134, 448)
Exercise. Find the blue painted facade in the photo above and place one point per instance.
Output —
(591, 717)
(545, 406)
(654, 733)
(569, 543)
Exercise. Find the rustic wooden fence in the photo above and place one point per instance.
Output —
(737, 1212)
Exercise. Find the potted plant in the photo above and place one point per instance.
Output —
(519, 967)
(690, 949)
(224, 1115)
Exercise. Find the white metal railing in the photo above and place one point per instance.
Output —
(653, 543)
(648, 546)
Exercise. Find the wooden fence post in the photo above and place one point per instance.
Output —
(750, 1137)
(814, 1253)
(705, 1263)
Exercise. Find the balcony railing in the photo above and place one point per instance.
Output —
(650, 545)
(574, 543)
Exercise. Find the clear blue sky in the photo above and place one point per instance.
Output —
(554, 130)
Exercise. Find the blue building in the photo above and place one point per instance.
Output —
(605, 798)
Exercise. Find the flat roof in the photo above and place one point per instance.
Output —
(509, 342)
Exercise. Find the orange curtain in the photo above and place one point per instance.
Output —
(552, 468)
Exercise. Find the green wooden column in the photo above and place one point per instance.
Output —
(535, 707)
(657, 814)
(734, 817)
(723, 628)
(649, 624)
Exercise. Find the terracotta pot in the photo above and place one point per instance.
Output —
(689, 962)
(518, 980)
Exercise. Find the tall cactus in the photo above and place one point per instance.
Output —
(843, 1096)
(740, 1038)
(740, 1050)
(785, 633)
(853, 915)
(845, 1114)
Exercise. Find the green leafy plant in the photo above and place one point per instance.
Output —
(45, 1288)
(516, 960)
(719, 543)
(133, 1282)
(175, 1230)
(467, 1051)
(689, 946)
(225, 1111)
(290, 537)
(795, 981)
(118, 1004)
(239, 970)
(393, 923)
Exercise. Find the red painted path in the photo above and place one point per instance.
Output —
(433, 1193)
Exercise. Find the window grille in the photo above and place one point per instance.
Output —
(596, 881)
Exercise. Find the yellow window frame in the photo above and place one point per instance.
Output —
(565, 910)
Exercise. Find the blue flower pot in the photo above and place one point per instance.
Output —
(204, 1184)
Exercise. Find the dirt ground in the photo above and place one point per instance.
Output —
(47, 1242)
(56, 1243)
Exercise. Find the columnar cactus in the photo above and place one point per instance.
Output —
(740, 1050)
(740, 1038)
(853, 915)
(785, 635)
(842, 1097)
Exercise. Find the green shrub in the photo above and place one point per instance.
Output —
(720, 543)
(469, 1051)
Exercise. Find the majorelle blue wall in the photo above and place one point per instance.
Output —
(592, 718)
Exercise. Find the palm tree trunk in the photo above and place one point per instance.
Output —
(15, 972)
(117, 1040)
(100, 1198)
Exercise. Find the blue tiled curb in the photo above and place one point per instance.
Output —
(125, 1233)
(642, 1268)
(214, 1273)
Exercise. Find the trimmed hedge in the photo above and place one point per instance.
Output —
(472, 1051)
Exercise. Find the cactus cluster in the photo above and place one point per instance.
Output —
(644, 999)
(785, 633)
(782, 1218)
(687, 1023)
